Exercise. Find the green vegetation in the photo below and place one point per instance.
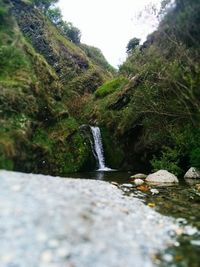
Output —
(97, 57)
(132, 44)
(111, 86)
(50, 84)
(43, 5)
(160, 102)
(40, 73)
(67, 29)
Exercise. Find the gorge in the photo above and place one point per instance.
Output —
(65, 112)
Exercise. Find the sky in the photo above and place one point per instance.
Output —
(110, 24)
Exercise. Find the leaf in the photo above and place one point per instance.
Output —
(151, 205)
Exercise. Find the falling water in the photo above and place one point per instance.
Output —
(98, 149)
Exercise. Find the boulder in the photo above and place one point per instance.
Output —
(162, 176)
(139, 176)
(192, 173)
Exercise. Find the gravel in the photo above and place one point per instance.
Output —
(61, 222)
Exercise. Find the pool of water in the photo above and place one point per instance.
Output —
(109, 176)
(180, 201)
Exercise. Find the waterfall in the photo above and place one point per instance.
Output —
(98, 149)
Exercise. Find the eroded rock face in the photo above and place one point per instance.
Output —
(192, 173)
(33, 25)
(162, 176)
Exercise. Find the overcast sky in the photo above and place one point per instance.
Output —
(109, 24)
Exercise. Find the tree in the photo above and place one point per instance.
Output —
(71, 32)
(55, 15)
(3, 12)
(132, 44)
(44, 5)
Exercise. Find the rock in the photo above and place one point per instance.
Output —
(162, 176)
(63, 227)
(115, 184)
(192, 173)
(154, 191)
(138, 182)
(197, 187)
(139, 176)
(191, 182)
(127, 185)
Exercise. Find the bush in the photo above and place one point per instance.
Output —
(11, 59)
(5, 162)
(169, 161)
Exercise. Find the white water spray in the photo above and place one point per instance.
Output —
(98, 149)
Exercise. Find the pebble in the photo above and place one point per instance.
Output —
(168, 258)
(127, 185)
(198, 187)
(114, 183)
(181, 221)
(46, 256)
(62, 252)
(195, 242)
(53, 243)
(189, 230)
(154, 191)
(138, 182)
(16, 188)
(6, 259)
(41, 237)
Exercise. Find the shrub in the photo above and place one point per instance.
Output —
(169, 160)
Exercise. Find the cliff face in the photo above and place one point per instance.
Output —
(66, 58)
(40, 72)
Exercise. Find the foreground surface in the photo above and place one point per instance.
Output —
(53, 222)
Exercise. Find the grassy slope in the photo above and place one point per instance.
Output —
(38, 132)
(158, 111)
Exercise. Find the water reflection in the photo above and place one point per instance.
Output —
(109, 176)
(100, 175)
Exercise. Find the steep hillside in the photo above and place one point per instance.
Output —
(40, 72)
(149, 112)
(97, 57)
(154, 114)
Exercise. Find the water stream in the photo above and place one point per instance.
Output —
(98, 149)
(179, 201)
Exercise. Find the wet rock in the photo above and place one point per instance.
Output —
(192, 173)
(197, 187)
(127, 185)
(138, 182)
(191, 182)
(154, 191)
(115, 184)
(162, 176)
(139, 176)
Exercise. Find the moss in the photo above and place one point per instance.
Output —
(60, 149)
(111, 86)
(6, 164)
(97, 57)
(114, 153)
(40, 71)
(88, 82)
